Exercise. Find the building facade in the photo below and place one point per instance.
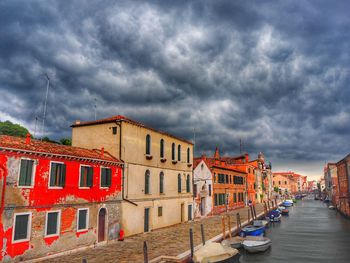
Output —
(158, 171)
(330, 177)
(202, 188)
(343, 172)
(55, 198)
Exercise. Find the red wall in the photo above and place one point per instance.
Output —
(40, 198)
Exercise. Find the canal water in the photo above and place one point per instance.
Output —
(311, 233)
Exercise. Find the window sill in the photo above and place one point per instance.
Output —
(174, 162)
(189, 165)
(55, 187)
(105, 187)
(52, 235)
(149, 157)
(25, 186)
(20, 241)
(163, 160)
(84, 187)
(83, 230)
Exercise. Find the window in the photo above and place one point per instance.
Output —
(179, 152)
(86, 174)
(161, 148)
(26, 173)
(234, 197)
(106, 177)
(147, 182)
(161, 183)
(279, 182)
(188, 184)
(238, 180)
(160, 211)
(189, 156)
(173, 152)
(179, 183)
(209, 187)
(226, 178)
(285, 182)
(195, 190)
(148, 144)
(57, 175)
(114, 130)
(83, 219)
(214, 178)
(53, 221)
(22, 226)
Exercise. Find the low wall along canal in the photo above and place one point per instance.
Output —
(311, 233)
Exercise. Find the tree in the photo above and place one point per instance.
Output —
(66, 141)
(276, 189)
(47, 139)
(12, 129)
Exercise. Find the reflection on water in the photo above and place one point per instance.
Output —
(311, 233)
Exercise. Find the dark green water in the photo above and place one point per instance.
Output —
(311, 233)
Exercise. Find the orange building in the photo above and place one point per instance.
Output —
(229, 184)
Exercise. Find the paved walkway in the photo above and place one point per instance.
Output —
(170, 241)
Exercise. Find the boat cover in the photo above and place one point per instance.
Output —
(213, 252)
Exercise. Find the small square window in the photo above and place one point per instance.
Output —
(86, 175)
(83, 219)
(57, 175)
(114, 130)
(160, 211)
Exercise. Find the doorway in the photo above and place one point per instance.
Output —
(146, 222)
(203, 206)
(101, 225)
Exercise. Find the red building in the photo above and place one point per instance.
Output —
(55, 198)
(229, 184)
(343, 185)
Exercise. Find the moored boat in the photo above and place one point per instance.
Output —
(281, 208)
(252, 231)
(264, 223)
(235, 242)
(287, 203)
(331, 207)
(216, 252)
(285, 212)
(274, 216)
(260, 244)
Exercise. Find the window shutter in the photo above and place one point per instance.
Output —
(103, 177)
(21, 227)
(109, 177)
(23, 171)
(53, 174)
(29, 172)
(63, 176)
(89, 176)
(147, 182)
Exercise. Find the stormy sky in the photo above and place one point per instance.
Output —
(274, 74)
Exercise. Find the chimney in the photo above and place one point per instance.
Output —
(102, 151)
(28, 138)
(204, 157)
(216, 154)
(247, 158)
(77, 122)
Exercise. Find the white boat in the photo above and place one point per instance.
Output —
(215, 252)
(256, 244)
(260, 223)
(331, 207)
(281, 208)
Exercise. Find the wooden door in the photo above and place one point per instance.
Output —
(146, 222)
(101, 225)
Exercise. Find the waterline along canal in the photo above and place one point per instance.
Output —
(311, 233)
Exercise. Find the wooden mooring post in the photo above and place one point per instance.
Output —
(223, 227)
(229, 226)
(254, 212)
(191, 244)
(239, 224)
(202, 232)
(145, 252)
(249, 215)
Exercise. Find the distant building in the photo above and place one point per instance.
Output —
(290, 182)
(56, 198)
(157, 175)
(343, 167)
(331, 182)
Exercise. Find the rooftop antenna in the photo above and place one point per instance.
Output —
(36, 123)
(240, 146)
(95, 102)
(194, 140)
(45, 105)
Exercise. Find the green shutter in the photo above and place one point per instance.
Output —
(29, 172)
(82, 170)
(89, 176)
(103, 177)
(63, 176)
(109, 178)
(147, 182)
(53, 174)
(23, 173)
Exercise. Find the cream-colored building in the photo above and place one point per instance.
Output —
(157, 179)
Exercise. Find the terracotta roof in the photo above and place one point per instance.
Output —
(40, 147)
(123, 118)
(211, 162)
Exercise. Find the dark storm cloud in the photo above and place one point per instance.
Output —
(274, 74)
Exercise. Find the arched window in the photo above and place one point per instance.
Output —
(179, 152)
(147, 182)
(161, 183)
(161, 148)
(188, 155)
(179, 183)
(148, 144)
(188, 184)
(173, 152)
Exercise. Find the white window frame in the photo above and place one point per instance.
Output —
(103, 187)
(48, 183)
(87, 219)
(58, 228)
(29, 227)
(33, 173)
(86, 187)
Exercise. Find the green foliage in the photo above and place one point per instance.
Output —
(66, 141)
(9, 128)
(276, 189)
(47, 139)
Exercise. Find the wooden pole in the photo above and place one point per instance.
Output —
(202, 232)
(145, 252)
(191, 243)
(238, 218)
(229, 226)
(254, 212)
(249, 215)
(223, 228)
